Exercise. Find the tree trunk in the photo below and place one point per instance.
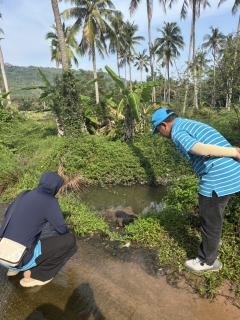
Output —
(4, 75)
(229, 81)
(165, 86)
(168, 77)
(130, 74)
(125, 69)
(195, 89)
(179, 76)
(154, 91)
(62, 45)
(188, 70)
(195, 100)
(214, 79)
(200, 87)
(128, 124)
(95, 73)
(118, 64)
(149, 13)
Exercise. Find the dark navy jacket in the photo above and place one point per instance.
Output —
(36, 208)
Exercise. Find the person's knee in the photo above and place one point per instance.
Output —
(70, 240)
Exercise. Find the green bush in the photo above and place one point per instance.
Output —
(80, 218)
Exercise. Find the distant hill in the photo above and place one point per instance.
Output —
(21, 77)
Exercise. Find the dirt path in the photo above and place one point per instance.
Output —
(95, 284)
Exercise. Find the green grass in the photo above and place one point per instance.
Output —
(80, 218)
(29, 146)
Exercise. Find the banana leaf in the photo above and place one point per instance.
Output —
(134, 102)
(44, 79)
(115, 77)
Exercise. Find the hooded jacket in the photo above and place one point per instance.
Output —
(36, 208)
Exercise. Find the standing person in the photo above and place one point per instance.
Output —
(37, 209)
(215, 161)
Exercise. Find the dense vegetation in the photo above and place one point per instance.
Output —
(22, 77)
(105, 128)
(29, 146)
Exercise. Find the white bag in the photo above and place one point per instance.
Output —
(12, 252)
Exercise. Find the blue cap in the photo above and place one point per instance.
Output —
(159, 116)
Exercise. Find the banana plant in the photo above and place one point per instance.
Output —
(131, 102)
(49, 91)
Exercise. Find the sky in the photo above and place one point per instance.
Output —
(26, 22)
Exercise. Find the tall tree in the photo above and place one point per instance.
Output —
(168, 46)
(130, 41)
(60, 34)
(4, 74)
(214, 43)
(228, 71)
(123, 64)
(92, 17)
(116, 39)
(234, 11)
(235, 7)
(3, 68)
(133, 7)
(70, 42)
(201, 63)
(196, 10)
(142, 62)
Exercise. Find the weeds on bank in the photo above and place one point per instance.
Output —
(80, 218)
(29, 148)
(32, 147)
(175, 234)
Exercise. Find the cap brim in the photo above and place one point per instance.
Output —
(154, 131)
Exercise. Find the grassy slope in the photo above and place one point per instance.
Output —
(30, 146)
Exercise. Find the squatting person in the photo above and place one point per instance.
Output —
(36, 210)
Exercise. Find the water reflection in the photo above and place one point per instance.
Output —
(142, 199)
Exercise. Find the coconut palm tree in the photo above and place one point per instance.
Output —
(3, 69)
(60, 34)
(70, 42)
(123, 64)
(133, 7)
(92, 17)
(131, 40)
(142, 62)
(214, 43)
(234, 11)
(195, 6)
(4, 73)
(235, 5)
(116, 39)
(201, 62)
(168, 46)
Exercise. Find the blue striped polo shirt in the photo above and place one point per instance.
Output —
(221, 175)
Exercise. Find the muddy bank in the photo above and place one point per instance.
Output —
(97, 283)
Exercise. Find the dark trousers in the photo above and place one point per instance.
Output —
(56, 251)
(211, 213)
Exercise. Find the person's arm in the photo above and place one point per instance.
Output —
(201, 149)
(56, 219)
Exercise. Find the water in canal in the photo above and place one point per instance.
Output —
(141, 199)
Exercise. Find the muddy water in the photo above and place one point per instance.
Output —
(141, 199)
(97, 285)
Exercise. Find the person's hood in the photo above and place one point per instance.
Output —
(50, 182)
